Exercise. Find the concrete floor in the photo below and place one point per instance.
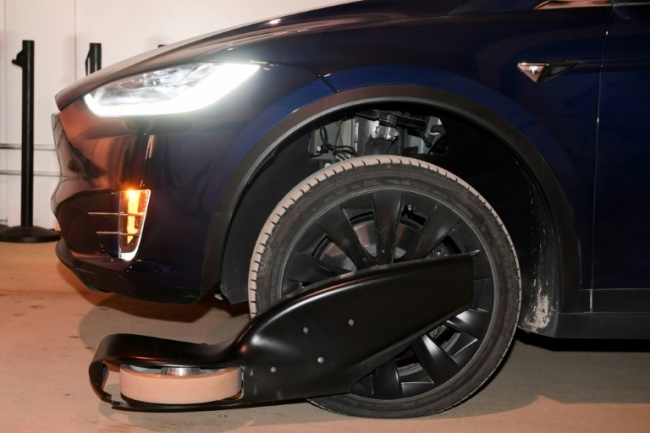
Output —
(50, 324)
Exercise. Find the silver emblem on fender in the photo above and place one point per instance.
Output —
(541, 72)
(534, 71)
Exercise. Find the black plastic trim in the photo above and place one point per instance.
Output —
(107, 271)
(599, 325)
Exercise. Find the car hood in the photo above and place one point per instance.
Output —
(346, 16)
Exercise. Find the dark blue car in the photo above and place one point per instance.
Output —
(251, 163)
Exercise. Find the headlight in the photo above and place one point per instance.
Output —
(173, 90)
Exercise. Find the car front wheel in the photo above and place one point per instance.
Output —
(376, 210)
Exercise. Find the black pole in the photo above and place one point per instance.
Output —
(26, 232)
(94, 58)
(25, 60)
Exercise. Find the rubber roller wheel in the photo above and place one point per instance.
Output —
(158, 386)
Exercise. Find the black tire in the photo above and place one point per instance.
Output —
(338, 219)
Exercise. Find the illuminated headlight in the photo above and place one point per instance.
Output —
(167, 91)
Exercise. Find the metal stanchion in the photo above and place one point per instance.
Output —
(26, 232)
(94, 58)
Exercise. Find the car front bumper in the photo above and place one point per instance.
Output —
(99, 167)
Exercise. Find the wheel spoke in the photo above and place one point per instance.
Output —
(434, 360)
(386, 383)
(464, 348)
(440, 222)
(339, 229)
(388, 207)
(308, 269)
(415, 388)
(471, 322)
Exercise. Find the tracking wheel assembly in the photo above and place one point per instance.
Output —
(381, 287)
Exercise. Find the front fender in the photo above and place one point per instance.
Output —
(272, 140)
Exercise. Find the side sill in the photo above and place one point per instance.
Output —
(598, 325)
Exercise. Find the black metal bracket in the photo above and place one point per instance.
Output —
(320, 341)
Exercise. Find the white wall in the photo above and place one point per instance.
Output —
(3, 117)
(51, 25)
(62, 31)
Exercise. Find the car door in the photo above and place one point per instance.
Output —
(621, 271)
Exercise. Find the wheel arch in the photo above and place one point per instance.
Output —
(553, 279)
